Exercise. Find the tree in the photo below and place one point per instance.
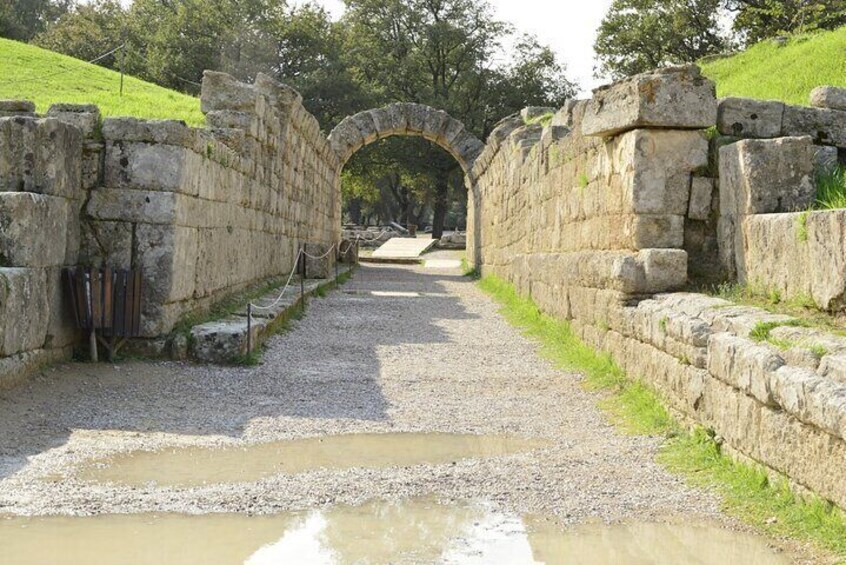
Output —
(756, 20)
(24, 19)
(87, 31)
(441, 53)
(640, 35)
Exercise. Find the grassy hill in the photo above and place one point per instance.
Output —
(31, 73)
(788, 73)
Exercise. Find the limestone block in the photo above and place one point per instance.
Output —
(24, 310)
(33, 228)
(701, 193)
(744, 117)
(106, 244)
(221, 91)
(677, 97)
(133, 206)
(775, 256)
(833, 367)
(168, 132)
(281, 96)
(92, 152)
(225, 340)
(40, 155)
(16, 108)
(767, 176)
(826, 232)
(829, 97)
(743, 365)
(147, 166)
(824, 126)
(167, 256)
(86, 117)
(826, 159)
(230, 119)
(661, 163)
(655, 231)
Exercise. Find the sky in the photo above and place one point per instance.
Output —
(568, 26)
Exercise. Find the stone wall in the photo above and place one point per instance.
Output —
(41, 194)
(768, 182)
(204, 212)
(210, 212)
(600, 214)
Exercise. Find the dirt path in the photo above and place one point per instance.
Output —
(397, 349)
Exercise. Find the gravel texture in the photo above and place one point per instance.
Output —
(443, 361)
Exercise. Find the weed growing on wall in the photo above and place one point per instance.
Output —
(748, 492)
(831, 190)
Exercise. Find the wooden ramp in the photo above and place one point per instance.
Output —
(404, 248)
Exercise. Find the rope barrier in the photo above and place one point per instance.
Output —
(287, 284)
(322, 256)
(96, 59)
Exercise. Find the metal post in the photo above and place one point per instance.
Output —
(337, 258)
(302, 277)
(122, 58)
(249, 327)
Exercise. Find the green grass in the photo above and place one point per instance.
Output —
(747, 492)
(801, 307)
(544, 120)
(831, 190)
(767, 71)
(44, 77)
(751, 496)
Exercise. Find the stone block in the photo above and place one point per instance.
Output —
(743, 365)
(61, 325)
(223, 341)
(744, 117)
(701, 194)
(17, 108)
(166, 132)
(679, 98)
(824, 126)
(833, 367)
(106, 244)
(147, 166)
(532, 113)
(826, 240)
(40, 155)
(767, 176)
(281, 96)
(828, 97)
(221, 91)
(229, 119)
(33, 229)
(661, 163)
(86, 117)
(656, 232)
(133, 206)
(24, 310)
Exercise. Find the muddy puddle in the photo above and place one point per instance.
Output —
(197, 466)
(416, 531)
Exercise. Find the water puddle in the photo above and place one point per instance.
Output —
(416, 531)
(197, 466)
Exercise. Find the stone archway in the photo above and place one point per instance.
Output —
(437, 126)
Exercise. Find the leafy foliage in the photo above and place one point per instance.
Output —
(757, 20)
(640, 35)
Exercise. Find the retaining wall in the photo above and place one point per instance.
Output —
(600, 214)
(205, 212)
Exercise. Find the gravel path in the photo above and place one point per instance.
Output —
(442, 361)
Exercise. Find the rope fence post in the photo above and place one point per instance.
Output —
(337, 258)
(302, 277)
(249, 327)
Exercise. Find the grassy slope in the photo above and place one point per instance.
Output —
(788, 73)
(31, 73)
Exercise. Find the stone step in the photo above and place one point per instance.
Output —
(404, 248)
(225, 341)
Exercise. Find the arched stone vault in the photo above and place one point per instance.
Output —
(410, 119)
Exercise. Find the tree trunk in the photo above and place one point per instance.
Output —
(440, 207)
